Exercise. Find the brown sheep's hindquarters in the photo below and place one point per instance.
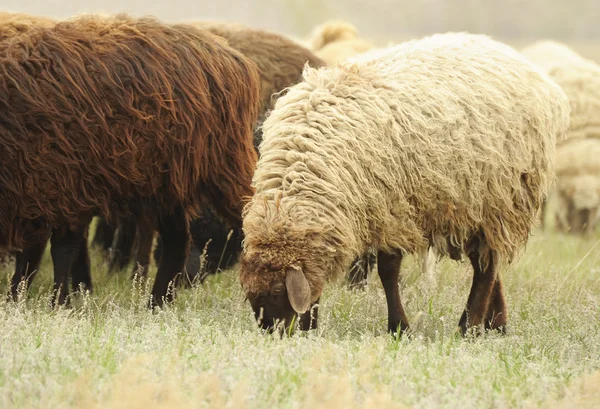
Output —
(389, 270)
(174, 229)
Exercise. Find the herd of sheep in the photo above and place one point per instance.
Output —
(302, 160)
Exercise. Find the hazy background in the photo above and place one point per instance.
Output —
(572, 21)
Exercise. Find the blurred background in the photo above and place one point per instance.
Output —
(576, 22)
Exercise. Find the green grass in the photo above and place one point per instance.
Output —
(204, 351)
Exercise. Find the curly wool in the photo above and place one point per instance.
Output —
(432, 140)
(101, 114)
(580, 80)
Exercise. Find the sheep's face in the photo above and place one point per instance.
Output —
(283, 295)
(272, 309)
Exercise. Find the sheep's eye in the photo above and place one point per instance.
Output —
(278, 288)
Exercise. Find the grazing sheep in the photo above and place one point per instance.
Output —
(336, 41)
(578, 187)
(580, 80)
(104, 115)
(447, 140)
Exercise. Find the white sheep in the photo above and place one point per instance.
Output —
(335, 41)
(580, 80)
(447, 140)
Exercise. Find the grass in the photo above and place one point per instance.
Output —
(204, 351)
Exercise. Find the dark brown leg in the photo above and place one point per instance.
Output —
(27, 265)
(81, 275)
(104, 235)
(175, 232)
(122, 245)
(497, 313)
(389, 270)
(309, 320)
(543, 214)
(64, 247)
(145, 237)
(481, 289)
(192, 267)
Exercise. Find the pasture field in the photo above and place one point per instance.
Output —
(108, 351)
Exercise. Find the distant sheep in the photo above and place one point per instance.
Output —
(580, 80)
(336, 41)
(14, 24)
(447, 140)
(136, 112)
(578, 187)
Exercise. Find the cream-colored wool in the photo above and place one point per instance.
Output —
(331, 31)
(336, 41)
(12, 24)
(580, 80)
(339, 51)
(578, 187)
(435, 139)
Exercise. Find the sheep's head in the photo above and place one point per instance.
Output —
(287, 259)
(284, 296)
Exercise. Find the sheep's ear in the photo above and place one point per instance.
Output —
(298, 289)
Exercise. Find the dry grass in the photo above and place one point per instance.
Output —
(108, 351)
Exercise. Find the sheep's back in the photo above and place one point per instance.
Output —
(439, 137)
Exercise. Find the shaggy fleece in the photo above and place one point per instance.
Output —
(433, 140)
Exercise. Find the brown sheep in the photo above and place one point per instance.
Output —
(104, 115)
(280, 62)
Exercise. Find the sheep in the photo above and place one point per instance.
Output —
(336, 41)
(280, 62)
(578, 187)
(447, 140)
(107, 114)
(580, 80)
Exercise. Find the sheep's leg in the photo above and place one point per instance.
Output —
(309, 319)
(64, 247)
(27, 265)
(81, 275)
(357, 278)
(192, 266)
(543, 214)
(122, 244)
(497, 313)
(175, 232)
(389, 271)
(145, 236)
(481, 289)
(104, 235)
